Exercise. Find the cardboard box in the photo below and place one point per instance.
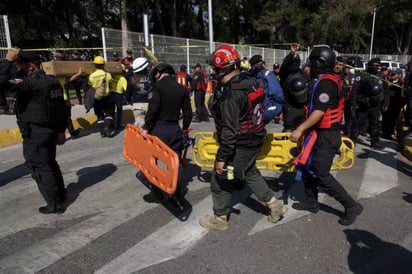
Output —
(68, 68)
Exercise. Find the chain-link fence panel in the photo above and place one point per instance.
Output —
(5, 41)
(178, 51)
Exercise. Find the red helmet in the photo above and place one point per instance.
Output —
(225, 56)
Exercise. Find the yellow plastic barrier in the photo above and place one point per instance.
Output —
(158, 162)
(277, 152)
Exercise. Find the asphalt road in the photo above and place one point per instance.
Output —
(108, 228)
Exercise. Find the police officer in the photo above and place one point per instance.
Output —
(166, 100)
(396, 101)
(276, 70)
(237, 111)
(42, 119)
(368, 94)
(323, 125)
(296, 85)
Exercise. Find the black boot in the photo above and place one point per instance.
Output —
(314, 208)
(377, 145)
(350, 214)
(155, 196)
(53, 208)
(109, 127)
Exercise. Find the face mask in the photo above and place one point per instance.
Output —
(373, 69)
(257, 69)
(21, 72)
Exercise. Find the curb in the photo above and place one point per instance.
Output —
(12, 136)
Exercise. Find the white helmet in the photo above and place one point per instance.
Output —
(140, 64)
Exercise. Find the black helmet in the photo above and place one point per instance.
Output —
(351, 61)
(322, 57)
(299, 89)
(373, 65)
(162, 68)
(374, 61)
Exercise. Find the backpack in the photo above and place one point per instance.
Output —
(93, 94)
(100, 92)
(273, 95)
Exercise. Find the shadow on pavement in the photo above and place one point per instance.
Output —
(180, 208)
(407, 197)
(369, 254)
(13, 173)
(87, 177)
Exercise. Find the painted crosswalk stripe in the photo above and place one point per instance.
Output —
(377, 177)
(168, 242)
(50, 250)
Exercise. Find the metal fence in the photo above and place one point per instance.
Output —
(177, 51)
(5, 41)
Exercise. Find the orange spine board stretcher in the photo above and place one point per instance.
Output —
(147, 154)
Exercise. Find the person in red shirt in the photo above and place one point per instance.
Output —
(183, 78)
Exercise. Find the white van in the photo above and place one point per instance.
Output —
(390, 65)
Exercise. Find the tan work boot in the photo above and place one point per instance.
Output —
(277, 210)
(214, 222)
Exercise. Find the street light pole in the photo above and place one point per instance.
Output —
(210, 13)
(373, 28)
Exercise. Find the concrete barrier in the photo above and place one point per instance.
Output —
(12, 135)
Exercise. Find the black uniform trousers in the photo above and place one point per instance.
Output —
(39, 151)
(391, 115)
(201, 110)
(367, 115)
(244, 170)
(104, 110)
(323, 152)
(171, 134)
(117, 100)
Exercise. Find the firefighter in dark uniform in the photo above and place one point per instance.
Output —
(42, 119)
(199, 87)
(323, 125)
(369, 96)
(238, 114)
(296, 86)
(348, 81)
(166, 101)
(396, 102)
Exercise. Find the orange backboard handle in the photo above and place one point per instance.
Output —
(158, 162)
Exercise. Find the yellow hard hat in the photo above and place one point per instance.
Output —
(98, 60)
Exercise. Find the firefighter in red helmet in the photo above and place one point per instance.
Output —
(238, 113)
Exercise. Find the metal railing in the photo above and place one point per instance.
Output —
(177, 51)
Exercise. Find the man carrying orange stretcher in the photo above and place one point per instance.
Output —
(166, 101)
(322, 138)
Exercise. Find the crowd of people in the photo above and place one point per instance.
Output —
(318, 101)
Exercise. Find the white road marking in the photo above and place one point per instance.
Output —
(378, 177)
(168, 242)
(52, 249)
